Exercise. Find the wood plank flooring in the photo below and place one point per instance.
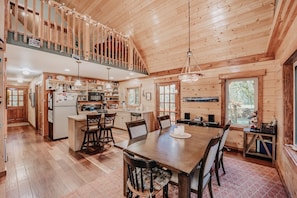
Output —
(37, 167)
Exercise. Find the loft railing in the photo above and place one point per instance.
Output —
(56, 28)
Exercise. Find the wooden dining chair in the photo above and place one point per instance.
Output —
(145, 178)
(137, 128)
(203, 172)
(91, 130)
(219, 158)
(164, 121)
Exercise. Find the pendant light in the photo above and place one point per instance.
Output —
(108, 85)
(77, 82)
(186, 75)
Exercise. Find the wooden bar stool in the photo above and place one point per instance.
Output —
(106, 129)
(91, 133)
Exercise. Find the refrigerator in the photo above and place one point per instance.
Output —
(60, 106)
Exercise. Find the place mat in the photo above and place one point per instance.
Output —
(183, 135)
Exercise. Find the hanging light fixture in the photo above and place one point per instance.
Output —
(77, 82)
(186, 75)
(108, 85)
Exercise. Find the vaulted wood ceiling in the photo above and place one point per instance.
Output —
(221, 30)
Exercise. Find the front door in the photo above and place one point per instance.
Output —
(16, 105)
(168, 100)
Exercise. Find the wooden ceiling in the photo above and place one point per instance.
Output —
(221, 30)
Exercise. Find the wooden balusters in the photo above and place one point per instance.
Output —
(78, 34)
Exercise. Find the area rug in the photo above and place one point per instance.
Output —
(242, 180)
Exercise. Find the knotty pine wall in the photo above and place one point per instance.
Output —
(285, 165)
(210, 85)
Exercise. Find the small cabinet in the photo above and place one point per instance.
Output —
(259, 144)
(121, 118)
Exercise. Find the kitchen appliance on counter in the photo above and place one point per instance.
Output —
(92, 107)
(95, 96)
(60, 106)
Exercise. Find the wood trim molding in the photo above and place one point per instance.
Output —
(259, 74)
(288, 103)
(219, 64)
(248, 74)
(3, 173)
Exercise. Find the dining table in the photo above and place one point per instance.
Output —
(178, 152)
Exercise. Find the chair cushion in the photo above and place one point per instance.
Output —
(161, 178)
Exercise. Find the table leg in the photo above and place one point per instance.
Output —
(184, 185)
(244, 143)
(125, 178)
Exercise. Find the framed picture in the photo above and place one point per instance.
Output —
(148, 96)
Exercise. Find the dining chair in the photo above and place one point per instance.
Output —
(219, 158)
(164, 121)
(203, 172)
(106, 128)
(145, 178)
(91, 131)
(137, 128)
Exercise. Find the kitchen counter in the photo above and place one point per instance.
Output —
(75, 122)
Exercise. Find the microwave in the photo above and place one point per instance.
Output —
(95, 96)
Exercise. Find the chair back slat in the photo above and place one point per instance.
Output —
(137, 128)
(208, 161)
(164, 121)
(93, 121)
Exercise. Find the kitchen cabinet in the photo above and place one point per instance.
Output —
(125, 116)
(121, 118)
(111, 96)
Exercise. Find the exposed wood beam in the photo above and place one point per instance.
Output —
(225, 63)
(285, 13)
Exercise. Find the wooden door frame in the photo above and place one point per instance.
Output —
(25, 100)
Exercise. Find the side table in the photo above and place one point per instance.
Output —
(252, 143)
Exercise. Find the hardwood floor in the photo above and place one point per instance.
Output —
(37, 167)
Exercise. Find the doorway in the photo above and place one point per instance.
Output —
(168, 99)
(38, 109)
(16, 105)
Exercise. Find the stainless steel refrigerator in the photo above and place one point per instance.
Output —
(60, 106)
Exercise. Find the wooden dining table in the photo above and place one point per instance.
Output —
(181, 155)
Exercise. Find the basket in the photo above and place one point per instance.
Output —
(268, 128)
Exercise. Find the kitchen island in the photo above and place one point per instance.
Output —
(75, 122)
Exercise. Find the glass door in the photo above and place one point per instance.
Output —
(168, 100)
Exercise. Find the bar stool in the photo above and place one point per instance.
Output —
(135, 116)
(91, 132)
(106, 129)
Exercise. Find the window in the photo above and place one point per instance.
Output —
(15, 98)
(241, 100)
(246, 95)
(133, 96)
